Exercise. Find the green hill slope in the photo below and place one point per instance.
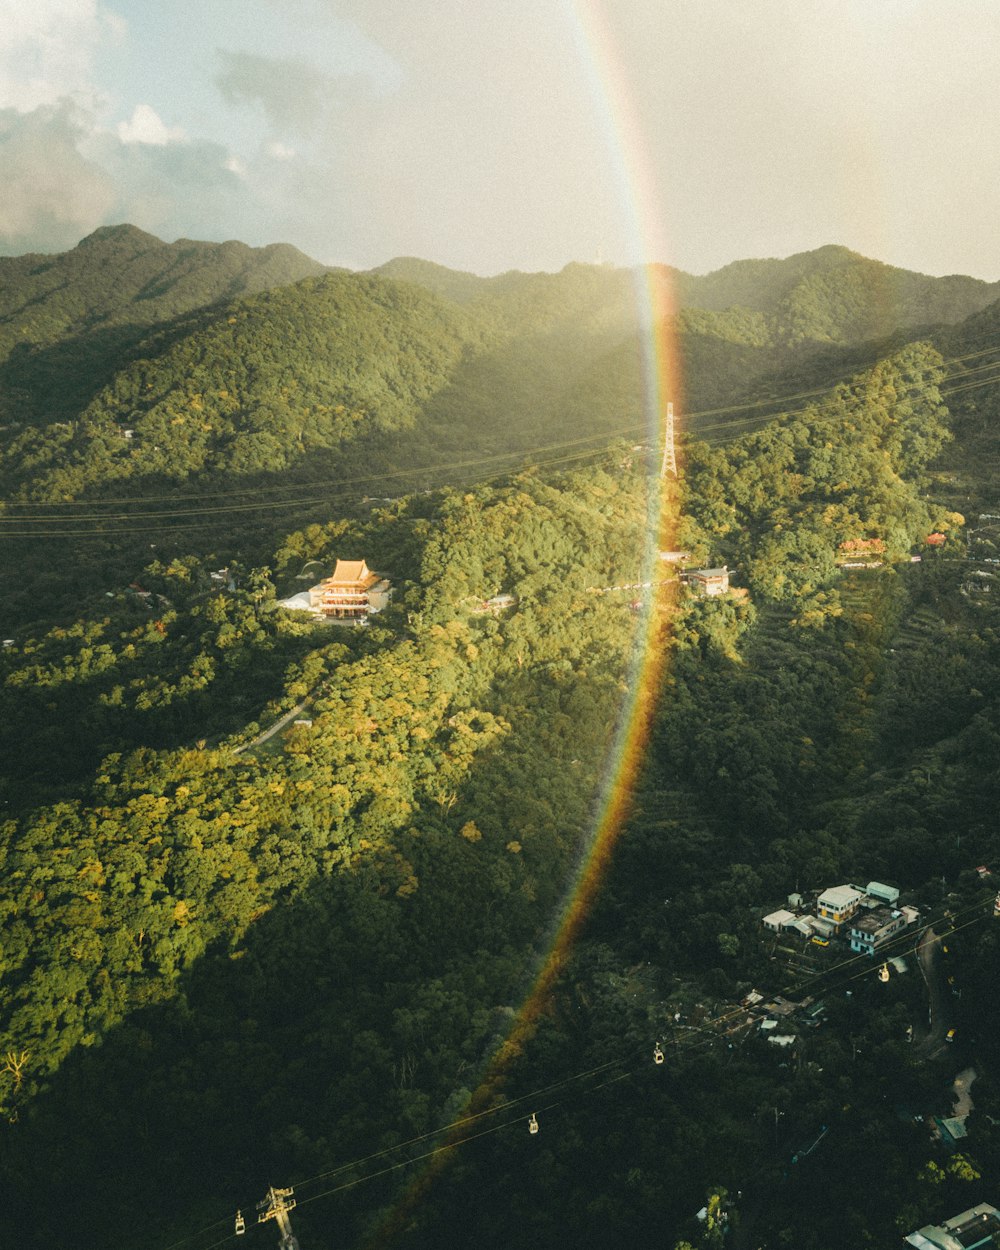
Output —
(835, 295)
(259, 387)
(66, 320)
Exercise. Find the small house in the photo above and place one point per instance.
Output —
(884, 893)
(498, 603)
(978, 1227)
(709, 582)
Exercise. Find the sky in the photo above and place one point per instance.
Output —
(489, 135)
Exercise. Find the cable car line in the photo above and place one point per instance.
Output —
(456, 1124)
(258, 506)
(681, 1048)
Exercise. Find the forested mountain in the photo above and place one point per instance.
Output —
(231, 960)
(834, 293)
(126, 334)
(68, 321)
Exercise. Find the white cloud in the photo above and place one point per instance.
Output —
(280, 151)
(146, 126)
(47, 51)
(64, 176)
(52, 194)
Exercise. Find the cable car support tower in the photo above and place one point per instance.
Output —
(276, 1206)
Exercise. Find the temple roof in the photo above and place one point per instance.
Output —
(351, 573)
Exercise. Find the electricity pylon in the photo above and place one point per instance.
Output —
(669, 464)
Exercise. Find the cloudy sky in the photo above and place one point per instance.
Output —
(497, 134)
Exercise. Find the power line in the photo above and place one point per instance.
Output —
(533, 1098)
(730, 433)
(632, 428)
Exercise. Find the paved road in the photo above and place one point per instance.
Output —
(938, 996)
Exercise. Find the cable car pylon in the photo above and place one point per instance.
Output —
(276, 1206)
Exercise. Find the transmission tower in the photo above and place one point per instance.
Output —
(669, 464)
(276, 1206)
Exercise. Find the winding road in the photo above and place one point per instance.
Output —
(928, 952)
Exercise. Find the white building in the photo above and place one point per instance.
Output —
(838, 904)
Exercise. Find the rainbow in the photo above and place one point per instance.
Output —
(662, 379)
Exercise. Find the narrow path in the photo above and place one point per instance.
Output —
(278, 725)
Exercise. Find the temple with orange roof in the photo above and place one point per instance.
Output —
(352, 592)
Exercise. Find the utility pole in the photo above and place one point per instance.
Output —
(669, 464)
(276, 1206)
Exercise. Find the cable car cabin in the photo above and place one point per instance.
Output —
(533, 1124)
(657, 1053)
(241, 1224)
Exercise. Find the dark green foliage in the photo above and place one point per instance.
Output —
(228, 963)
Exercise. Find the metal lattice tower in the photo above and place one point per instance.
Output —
(276, 1206)
(669, 464)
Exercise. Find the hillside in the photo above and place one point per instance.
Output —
(829, 295)
(835, 295)
(204, 428)
(971, 470)
(253, 388)
(295, 962)
(301, 959)
(67, 321)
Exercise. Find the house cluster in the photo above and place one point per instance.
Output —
(867, 917)
(352, 592)
(779, 1021)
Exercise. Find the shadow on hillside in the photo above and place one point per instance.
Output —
(53, 737)
(335, 1033)
(56, 381)
(347, 1020)
(198, 1104)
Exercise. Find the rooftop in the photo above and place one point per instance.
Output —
(351, 572)
(839, 896)
(979, 1226)
(875, 920)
